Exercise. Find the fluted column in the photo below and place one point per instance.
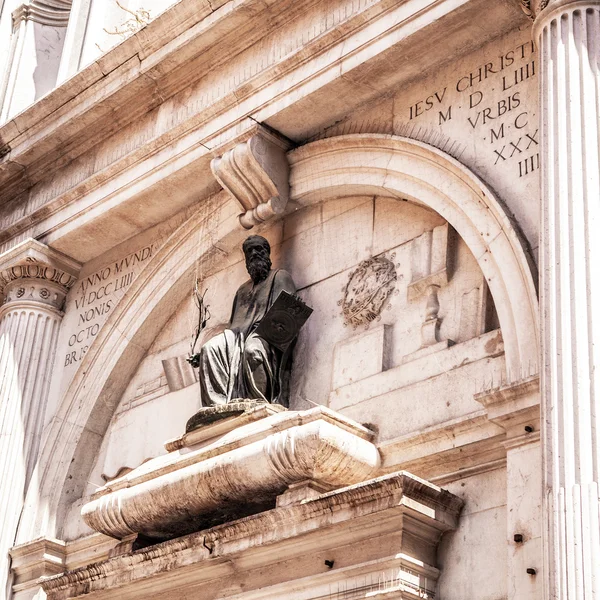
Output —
(568, 35)
(34, 281)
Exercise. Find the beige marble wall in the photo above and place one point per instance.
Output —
(481, 109)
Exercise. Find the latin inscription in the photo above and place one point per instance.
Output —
(95, 296)
(490, 103)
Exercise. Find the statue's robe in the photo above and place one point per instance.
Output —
(240, 364)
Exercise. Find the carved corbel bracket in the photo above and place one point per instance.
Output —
(31, 271)
(256, 173)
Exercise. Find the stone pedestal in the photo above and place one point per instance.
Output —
(234, 467)
(568, 37)
(376, 539)
(34, 281)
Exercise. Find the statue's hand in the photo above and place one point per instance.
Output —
(194, 360)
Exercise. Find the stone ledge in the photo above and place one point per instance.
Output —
(513, 405)
(487, 345)
(179, 493)
(415, 511)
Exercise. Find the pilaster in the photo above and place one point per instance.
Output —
(515, 407)
(34, 281)
(568, 36)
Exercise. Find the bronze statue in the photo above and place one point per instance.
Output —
(240, 362)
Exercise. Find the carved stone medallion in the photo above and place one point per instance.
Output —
(367, 290)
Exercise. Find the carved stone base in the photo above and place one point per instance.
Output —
(214, 422)
(236, 473)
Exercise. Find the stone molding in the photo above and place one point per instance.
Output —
(256, 173)
(515, 406)
(400, 503)
(44, 557)
(33, 272)
(45, 12)
(39, 558)
(147, 86)
(293, 447)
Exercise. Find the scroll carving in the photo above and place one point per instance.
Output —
(530, 9)
(256, 173)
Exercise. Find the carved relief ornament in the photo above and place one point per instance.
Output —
(533, 7)
(34, 272)
(368, 289)
(256, 173)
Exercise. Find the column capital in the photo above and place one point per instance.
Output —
(34, 272)
(540, 8)
(528, 7)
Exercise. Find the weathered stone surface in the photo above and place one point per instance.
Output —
(180, 492)
(256, 173)
(380, 537)
(409, 119)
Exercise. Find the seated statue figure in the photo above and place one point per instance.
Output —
(238, 363)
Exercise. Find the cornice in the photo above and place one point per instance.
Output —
(398, 494)
(515, 406)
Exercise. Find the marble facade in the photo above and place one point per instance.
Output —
(427, 171)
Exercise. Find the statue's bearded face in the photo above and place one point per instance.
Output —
(258, 261)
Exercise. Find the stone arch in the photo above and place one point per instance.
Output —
(336, 167)
(387, 165)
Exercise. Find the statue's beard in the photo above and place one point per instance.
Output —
(258, 269)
